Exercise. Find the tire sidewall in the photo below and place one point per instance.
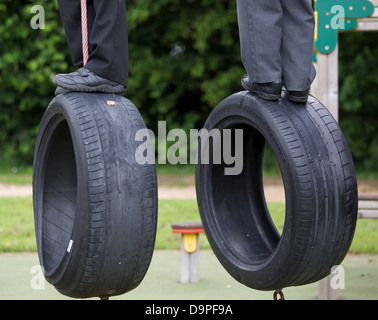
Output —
(262, 274)
(54, 115)
(115, 218)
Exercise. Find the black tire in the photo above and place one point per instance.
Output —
(95, 207)
(320, 191)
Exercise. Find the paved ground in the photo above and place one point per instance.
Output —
(19, 272)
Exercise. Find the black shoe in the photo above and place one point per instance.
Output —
(298, 96)
(268, 91)
(84, 80)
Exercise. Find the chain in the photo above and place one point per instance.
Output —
(84, 30)
(278, 293)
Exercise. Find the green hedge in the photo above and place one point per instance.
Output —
(359, 97)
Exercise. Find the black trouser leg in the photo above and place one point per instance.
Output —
(107, 30)
(298, 71)
(277, 39)
(260, 27)
(108, 41)
(70, 12)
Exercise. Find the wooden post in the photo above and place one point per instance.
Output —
(189, 262)
(326, 84)
(189, 249)
(326, 89)
(325, 290)
(370, 23)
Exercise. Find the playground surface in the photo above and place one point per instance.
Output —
(21, 280)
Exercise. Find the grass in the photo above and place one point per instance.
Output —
(174, 170)
(16, 175)
(366, 237)
(171, 211)
(17, 225)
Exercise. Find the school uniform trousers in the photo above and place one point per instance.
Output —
(277, 38)
(107, 33)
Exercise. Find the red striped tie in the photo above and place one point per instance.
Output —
(84, 30)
